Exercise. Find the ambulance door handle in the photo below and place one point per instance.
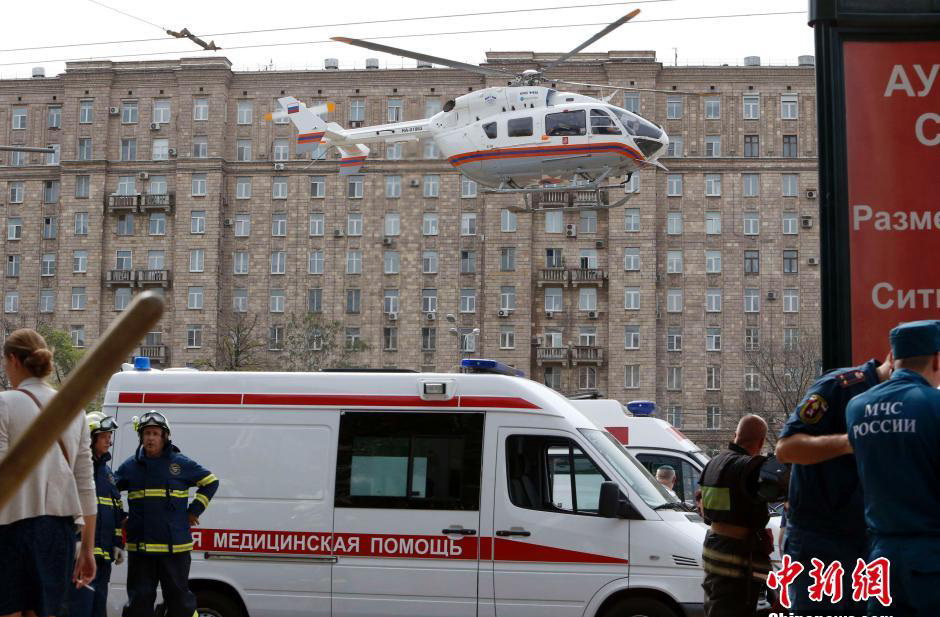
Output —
(459, 531)
(516, 531)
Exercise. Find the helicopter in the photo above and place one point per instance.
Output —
(521, 138)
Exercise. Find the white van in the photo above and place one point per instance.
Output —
(413, 494)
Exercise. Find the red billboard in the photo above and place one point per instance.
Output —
(892, 107)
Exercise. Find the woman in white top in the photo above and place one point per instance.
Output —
(37, 526)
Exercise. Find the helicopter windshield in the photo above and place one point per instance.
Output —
(636, 125)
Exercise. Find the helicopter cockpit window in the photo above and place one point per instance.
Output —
(603, 124)
(490, 129)
(636, 125)
(565, 123)
(519, 127)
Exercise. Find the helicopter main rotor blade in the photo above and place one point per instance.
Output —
(610, 28)
(626, 88)
(395, 51)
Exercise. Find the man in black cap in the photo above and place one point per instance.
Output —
(894, 429)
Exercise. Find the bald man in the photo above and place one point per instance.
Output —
(736, 554)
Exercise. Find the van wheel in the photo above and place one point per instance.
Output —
(639, 607)
(214, 604)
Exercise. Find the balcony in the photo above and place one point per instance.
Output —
(153, 277)
(119, 278)
(553, 276)
(164, 201)
(122, 203)
(586, 354)
(154, 352)
(588, 276)
(567, 199)
(551, 355)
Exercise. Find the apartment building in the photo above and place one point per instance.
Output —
(166, 177)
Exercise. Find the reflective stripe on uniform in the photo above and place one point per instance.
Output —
(202, 499)
(144, 547)
(741, 565)
(710, 553)
(157, 492)
(207, 480)
(107, 501)
(99, 552)
(117, 532)
(716, 498)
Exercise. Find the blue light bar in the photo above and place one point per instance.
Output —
(641, 408)
(476, 365)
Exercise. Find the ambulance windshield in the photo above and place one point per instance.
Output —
(631, 470)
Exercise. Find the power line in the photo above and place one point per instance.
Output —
(111, 8)
(405, 36)
(337, 25)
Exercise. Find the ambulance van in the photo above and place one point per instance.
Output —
(373, 494)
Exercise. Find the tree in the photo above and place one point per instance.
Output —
(786, 369)
(239, 346)
(312, 344)
(65, 356)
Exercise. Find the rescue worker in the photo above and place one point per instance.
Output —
(826, 517)
(736, 553)
(157, 479)
(894, 429)
(109, 542)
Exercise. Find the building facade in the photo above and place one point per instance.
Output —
(166, 177)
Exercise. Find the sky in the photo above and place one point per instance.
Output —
(694, 37)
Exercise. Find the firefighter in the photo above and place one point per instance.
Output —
(109, 544)
(736, 553)
(157, 479)
(894, 429)
(826, 520)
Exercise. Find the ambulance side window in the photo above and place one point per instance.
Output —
(423, 461)
(552, 474)
(686, 475)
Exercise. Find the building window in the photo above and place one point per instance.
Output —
(790, 262)
(587, 223)
(631, 219)
(631, 259)
(156, 260)
(317, 186)
(13, 265)
(240, 300)
(81, 223)
(279, 187)
(791, 338)
(200, 147)
(432, 185)
(791, 300)
(197, 222)
(751, 262)
(197, 260)
(315, 262)
(712, 339)
(316, 224)
(790, 149)
(161, 111)
(53, 158)
(392, 224)
(468, 300)
(751, 185)
(712, 417)
(713, 223)
(354, 224)
(390, 338)
(751, 339)
(713, 185)
(673, 377)
(587, 378)
(712, 108)
(674, 185)
(392, 262)
(429, 300)
(315, 300)
(54, 117)
(47, 265)
(79, 299)
(14, 228)
(507, 337)
(507, 298)
(673, 107)
(353, 339)
(676, 147)
(633, 184)
(194, 336)
(631, 376)
(752, 107)
(751, 300)
(200, 109)
(395, 151)
(751, 379)
(158, 185)
(51, 190)
(276, 301)
(429, 262)
(353, 300)
(789, 185)
(392, 187)
(84, 149)
(631, 298)
(713, 262)
(46, 300)
(79, 262)
(11, 302)
(276, 338)
(20, 120)
(674, 262)
(713, 146)
(243, 150)
(789, 225)
(279, 224)
(281, 150)
(713, 300)
(125, 225)
(429, 225)
(751, 223)
(507, 220)
(674, 299)
(428, 339)
(17, 192)
(554, 300)
(673, 339)
(468, 262)
(242, 225)
(244, 112)
(353, 262)
(278, 262)
(199, 185)
(751, 146)
(124, 261)
(587, 299)
(354, 186)
(468, 187)
(554, 222)
(357, 110)
(674, 415)
(507, 259)
(430, 149)
(789, 109)
(194, 298)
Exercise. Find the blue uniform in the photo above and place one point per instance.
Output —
(84, 602)
(826, 513)
(894, 429)
(159, 541)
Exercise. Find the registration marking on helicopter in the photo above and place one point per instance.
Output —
(506, 153)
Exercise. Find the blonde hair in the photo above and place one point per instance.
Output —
(31, 350)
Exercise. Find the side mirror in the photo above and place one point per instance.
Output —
(608, 505)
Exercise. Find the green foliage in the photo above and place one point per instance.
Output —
(65, 355)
